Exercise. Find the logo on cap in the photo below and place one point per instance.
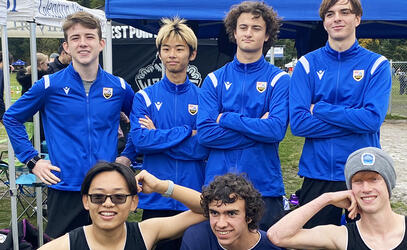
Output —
(368, 159)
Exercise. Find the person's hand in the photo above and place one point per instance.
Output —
(146, 123)
(265, 116)
(148, 183)
(344, 199)
(193, 132)
(123, 117)
(123, 160)
(311, 109)
(217, 119)
(43, 168)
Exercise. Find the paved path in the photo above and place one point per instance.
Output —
(394, 141)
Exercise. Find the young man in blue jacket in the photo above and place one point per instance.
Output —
(80, 109)
(163, 123)
(243, 112)
(338, 100)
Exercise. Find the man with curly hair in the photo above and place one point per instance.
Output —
(244, 108)
(234, 208)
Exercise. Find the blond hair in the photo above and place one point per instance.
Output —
(176, 28)
(41, 58)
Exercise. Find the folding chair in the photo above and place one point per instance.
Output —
(26, 184)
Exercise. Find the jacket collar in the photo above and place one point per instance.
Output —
(249, 67)
(352, 51)
(76, 75)
(172, 87)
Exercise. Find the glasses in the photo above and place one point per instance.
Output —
(115, 198)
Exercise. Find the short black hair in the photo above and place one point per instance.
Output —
(61, 49)
(229, 188)
(103, 166)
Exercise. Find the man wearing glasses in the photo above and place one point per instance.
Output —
(338, 100)
(109, 193)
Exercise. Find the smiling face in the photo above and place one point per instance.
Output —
(109, 216)
(340, 22)
(228, 222)
(250, 33)
(370, 191)
(84, 45)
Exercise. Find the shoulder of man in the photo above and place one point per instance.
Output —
(201, 233)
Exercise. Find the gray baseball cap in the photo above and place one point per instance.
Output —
(371, 159)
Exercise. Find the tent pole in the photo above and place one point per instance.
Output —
(107, 52)
(37, 140)
(11, 166)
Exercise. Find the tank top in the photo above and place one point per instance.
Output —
(355, 241)
(134, 240)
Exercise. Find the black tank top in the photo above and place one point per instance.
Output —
(134, 240)
(355, 241)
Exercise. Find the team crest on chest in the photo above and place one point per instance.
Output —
(261, 86)
(192, 109)
(358, 74)
(107, 93)
(158, 105)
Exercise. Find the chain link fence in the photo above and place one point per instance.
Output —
(398, 97)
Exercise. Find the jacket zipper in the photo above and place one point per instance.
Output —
(175, 122)
(336, 101)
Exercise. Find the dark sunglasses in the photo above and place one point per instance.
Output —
(115, 198)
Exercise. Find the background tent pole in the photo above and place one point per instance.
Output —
(11, 166)
(37, 139)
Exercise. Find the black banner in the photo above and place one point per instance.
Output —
(136, 61)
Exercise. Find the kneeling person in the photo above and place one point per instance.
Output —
(370, 175)
(109, 193)
(234, 208)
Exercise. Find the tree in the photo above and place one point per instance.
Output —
(393, 49)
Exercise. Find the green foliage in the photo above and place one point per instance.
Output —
(91, 3)
(394, 49)
(290, 51)
(20, 47)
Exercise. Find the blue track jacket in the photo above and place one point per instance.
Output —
(350, 91)
(242, 142)
(170, 152)
(80, 130)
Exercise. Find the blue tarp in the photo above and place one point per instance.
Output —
(301, 21)
(19, 62)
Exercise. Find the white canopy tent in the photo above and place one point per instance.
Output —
(32, 12)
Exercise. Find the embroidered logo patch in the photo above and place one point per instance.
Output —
(227, 85)
(107, 92)
(320, 74)
(192, 109)
(66, 89)
(158, 105)
(261, 86)
(368, 159)
(358, 74)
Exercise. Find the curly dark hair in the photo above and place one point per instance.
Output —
(230, 187)
(257, 9)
